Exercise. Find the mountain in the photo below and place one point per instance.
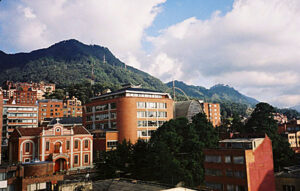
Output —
(217, 93)
(296, 107)
(70, 62)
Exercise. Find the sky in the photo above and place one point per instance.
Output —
(251, 45)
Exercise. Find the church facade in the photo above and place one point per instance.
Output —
(68, 147)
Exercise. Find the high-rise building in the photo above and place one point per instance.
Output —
(132, 111)
(240, 164)
(213, 112)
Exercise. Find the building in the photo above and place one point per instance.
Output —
(132, 111)
(25, 96)
(280, 118)
(29, 176)
(187, 109)
(240, 165)
(53, 108)
(213, 112)
(67, 147)
(40, 88)
(18, 115)
(288, 179)
(190, 108)
(1, 121)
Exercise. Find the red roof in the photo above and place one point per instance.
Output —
(22, 131)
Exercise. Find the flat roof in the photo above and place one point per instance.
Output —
(242, 140)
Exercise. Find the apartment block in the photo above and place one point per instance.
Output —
(18, 115)
(213, 112)
(240, 164)
(53, 108)
(1, 122)
(135, 113)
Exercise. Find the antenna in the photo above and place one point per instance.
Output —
(104, 61)
(174, 91)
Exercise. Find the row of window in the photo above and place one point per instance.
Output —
(151, 105)
(22, 121)
(143, 95)
(229, 173)
(150, 123)
(145, 133)
(22, 108)
(102, 107)
(142, 114)
(230, 187)
(227, 159)
(103, 116)
(21, 114)
(112, 144)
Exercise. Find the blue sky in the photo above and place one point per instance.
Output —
(175, 11)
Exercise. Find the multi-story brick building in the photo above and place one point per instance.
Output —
(1, 121)
(240, 165)
(68, 147)
(132, 111)
(213, 113)
(18, 115)
(53, 108)
(25, 96)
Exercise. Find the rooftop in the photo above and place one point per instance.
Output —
(66, 121)
(132, 89)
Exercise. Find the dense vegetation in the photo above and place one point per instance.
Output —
(173, 155)
(69, 63)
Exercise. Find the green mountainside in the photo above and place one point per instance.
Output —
(69, 65)
(216, 93)
(70, 62)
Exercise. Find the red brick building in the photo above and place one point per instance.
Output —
(132, 112)
(53, 108)
(240, 165)
(1, 122)
(25, 96)
(213, 112)
(67, 147)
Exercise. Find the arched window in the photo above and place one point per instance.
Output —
(76, 144)
(57, 147)
(86, 144)
(27, 147)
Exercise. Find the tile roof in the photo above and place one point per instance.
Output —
(23, 131)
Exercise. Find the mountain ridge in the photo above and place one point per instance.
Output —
(218, 92)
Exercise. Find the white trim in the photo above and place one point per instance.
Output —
(21, 149)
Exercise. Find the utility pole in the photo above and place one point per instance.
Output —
(174, 91)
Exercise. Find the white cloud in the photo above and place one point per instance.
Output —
(254, 47)
(117, 24)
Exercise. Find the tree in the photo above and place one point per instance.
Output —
(262, 121)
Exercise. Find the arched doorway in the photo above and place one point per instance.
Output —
(60, 165)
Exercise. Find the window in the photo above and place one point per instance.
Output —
(141, 105)
(238, 160)
(141, 114)
(113, 105)
(142, 133)
(289, 188)
(2, 176)
(75, 159)
(27, 147)
(112, 143)
(229, 172)
(151, 114)
(86, 144)
(86, 158)
(142, 123)
(239, 174)
(230, 187)
(68, 145)
(214, 186)
(27, 160)
(47, 146)
(213, 172)
(57, 130)
(76, 144)
(213, 158)
(151, 105)
(227, 159)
